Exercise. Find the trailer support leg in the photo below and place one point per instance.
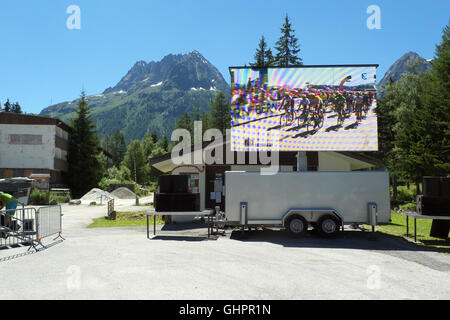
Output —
(407, 225)
(415, 230)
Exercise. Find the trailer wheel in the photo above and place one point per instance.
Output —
(328, 226)
(296, 225)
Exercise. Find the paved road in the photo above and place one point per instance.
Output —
(121, 263)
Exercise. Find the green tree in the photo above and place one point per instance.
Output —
(206, 121)
(263, 56)
(186, 122)
(115, 145)
(116, 175)
(152, 148)
(164, 143)
(196, 115)
(386, 122)
(7, 106)
(85, 167)
(411, 154)
(135, 158)
(16, 108)
(435, 115)
(220, 113)
(119, 148)
(287, 47)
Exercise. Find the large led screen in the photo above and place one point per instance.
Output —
(304, 108)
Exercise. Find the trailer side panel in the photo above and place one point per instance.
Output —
(269, 197)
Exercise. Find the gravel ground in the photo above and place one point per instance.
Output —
(179, 263)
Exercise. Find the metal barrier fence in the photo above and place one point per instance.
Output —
(28, 226)
(48, 222)
(17, 227)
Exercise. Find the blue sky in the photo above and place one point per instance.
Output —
(42, 61)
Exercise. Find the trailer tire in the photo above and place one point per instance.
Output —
(296, 225)
(328, 226)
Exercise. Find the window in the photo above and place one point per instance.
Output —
(29, 139)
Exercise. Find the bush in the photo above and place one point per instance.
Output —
(60, 197)
(411, 206)
(115, 176)
(404, 195)
(38, 197)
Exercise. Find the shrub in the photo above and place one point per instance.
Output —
(60, 197)
(411, 206)
(38, 197)
(404, 195)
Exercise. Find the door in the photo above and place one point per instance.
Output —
(214, 186)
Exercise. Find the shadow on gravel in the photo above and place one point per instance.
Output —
(353, 239)
(179, 238)
(14, 254)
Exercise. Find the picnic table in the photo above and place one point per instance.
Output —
(415, 216)
(205, 213)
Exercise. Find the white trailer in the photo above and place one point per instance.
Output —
(295, 200)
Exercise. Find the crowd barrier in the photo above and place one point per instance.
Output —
(28, 226)
(17, 227)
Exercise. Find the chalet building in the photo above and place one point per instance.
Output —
(209, 180)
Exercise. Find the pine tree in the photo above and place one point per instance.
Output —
(263, 55)
(7, 106)
(16, 108)
(196, 115)
(220, 113)
(85, 168)
(135, 156)
(185, 122)
(164, 143)
(206, 121)
(436, 111)
(386, 121)
(287, 47)
(118, 147)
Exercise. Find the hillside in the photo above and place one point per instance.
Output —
(404, 64)
(151, 96)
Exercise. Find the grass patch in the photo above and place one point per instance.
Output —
(125, 219)
(398, 228)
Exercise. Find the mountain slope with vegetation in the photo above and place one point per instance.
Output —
(409, 62)
(151, 97)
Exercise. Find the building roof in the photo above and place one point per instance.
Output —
(286, 157)
(19, 118)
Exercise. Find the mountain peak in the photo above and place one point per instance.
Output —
(181, 71)
(152, 96)
(407, 62)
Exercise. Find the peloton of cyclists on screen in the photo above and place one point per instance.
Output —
(305, 106)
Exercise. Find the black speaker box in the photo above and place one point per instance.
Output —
(162, 202)
(169, 183)
(180, 183)
(440, 228)
(165, 183)
(445, 187)
(433, 206)
(432, 186)
(177, 202)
